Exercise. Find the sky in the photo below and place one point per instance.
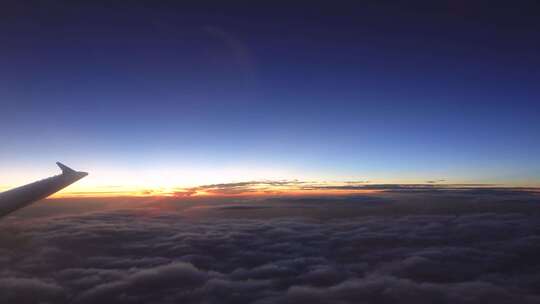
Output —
(173, 94)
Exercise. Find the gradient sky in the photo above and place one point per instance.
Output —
(148, 95)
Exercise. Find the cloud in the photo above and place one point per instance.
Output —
(247, 187)
(436, 181)
(26, 290)
(381, 289)
(144, 283)
(286, 187)
(127, 256)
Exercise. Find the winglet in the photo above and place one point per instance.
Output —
(65, 169)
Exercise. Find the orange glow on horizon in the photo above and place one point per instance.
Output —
(211, 186)
(250, 191)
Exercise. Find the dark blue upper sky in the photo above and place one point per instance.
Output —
(379, 90)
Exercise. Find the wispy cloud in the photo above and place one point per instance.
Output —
(307, 188)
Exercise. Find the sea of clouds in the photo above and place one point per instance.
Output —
(133, 256)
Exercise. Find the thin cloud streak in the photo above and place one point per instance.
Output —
(310, 188)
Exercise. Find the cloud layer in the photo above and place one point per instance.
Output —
(166, 257)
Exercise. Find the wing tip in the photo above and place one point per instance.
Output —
(65, 169)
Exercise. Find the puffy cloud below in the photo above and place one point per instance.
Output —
(128, 256)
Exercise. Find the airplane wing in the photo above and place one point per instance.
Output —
(23, 196)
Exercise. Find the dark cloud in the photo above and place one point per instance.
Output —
(184, 193)
(435, 181)
(384, 289)
(284, 186)
(130, 256)
(243, 207)
(27, 290)
(246, 187)
(142, 284)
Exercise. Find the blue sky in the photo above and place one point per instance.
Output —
(383, 93)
